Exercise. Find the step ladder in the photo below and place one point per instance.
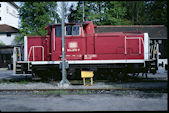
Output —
(22, 68)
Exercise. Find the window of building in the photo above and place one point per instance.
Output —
(8, 34)
(0, 18)
(0, 5)
(13, 11)
(7, 9)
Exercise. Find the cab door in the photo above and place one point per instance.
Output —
(75, 43)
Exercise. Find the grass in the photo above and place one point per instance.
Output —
(1, 81)
(16, 81)
(64, 92)
(5, 81)
(8, 82)
(24, 82)
(76, 81)
(57, 92)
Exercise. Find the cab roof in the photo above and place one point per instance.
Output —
(54, 25)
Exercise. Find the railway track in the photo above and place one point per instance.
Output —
(65, 89)
(97, 86)
(80, 89)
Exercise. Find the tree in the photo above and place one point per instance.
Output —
(136, 12)
(121, 12)
(157, 11)
(115, 13)
(96, 10)
(93, 11)
(35, 16)
(65, 9)
(101, 12)
(71, 15)
(1, 43)
(76, 14)
(146, 12)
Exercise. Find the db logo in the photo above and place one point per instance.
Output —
(73, 45)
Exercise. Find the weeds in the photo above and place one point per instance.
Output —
(63, 92)
(5, 81)
(57, 92)
(8, 82)
(1, 81)
(24, 82)
(76, 82)
(16, 81)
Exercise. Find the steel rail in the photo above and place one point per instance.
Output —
(74, 89)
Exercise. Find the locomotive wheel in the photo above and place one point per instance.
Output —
(76, 75)
(113, 77)
(123, 77)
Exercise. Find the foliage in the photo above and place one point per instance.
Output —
(75, 14)
(35, 16)
(135, 12)
(1, 43)
(19, 39)
(101, 12)
(157, 12)
(121, 12)
(115, 13)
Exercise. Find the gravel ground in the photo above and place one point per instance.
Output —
(140, 85)
(151, 82)
(84, 102)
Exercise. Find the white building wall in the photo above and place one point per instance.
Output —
(9, 14)
(8, 40)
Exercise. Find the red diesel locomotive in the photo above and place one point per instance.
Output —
(108, 53)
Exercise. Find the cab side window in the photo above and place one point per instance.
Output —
(58, 31)
(68, 30)
(73, 30)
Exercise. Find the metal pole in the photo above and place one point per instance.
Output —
(83, 12)
(64, 75)
(14, 60)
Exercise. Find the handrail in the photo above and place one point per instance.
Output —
(53, 39)
(33, 54)
(15, 57)
(140, 38)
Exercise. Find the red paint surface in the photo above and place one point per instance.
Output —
(38, 41)
(88, 46)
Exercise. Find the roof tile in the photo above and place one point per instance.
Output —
(6, 28)
(155, 31)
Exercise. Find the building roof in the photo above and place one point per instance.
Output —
(154, 31)
(14, 4)
(7, 29)
(9, 46)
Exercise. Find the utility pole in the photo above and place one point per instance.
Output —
(64, 80)
(83, 12)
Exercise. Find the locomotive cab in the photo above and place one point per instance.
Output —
(74, 41)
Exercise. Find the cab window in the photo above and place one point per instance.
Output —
(58, 31)
(73, 30)
(68, 30)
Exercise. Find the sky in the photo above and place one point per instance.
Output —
(68, 5)
(59, 6)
